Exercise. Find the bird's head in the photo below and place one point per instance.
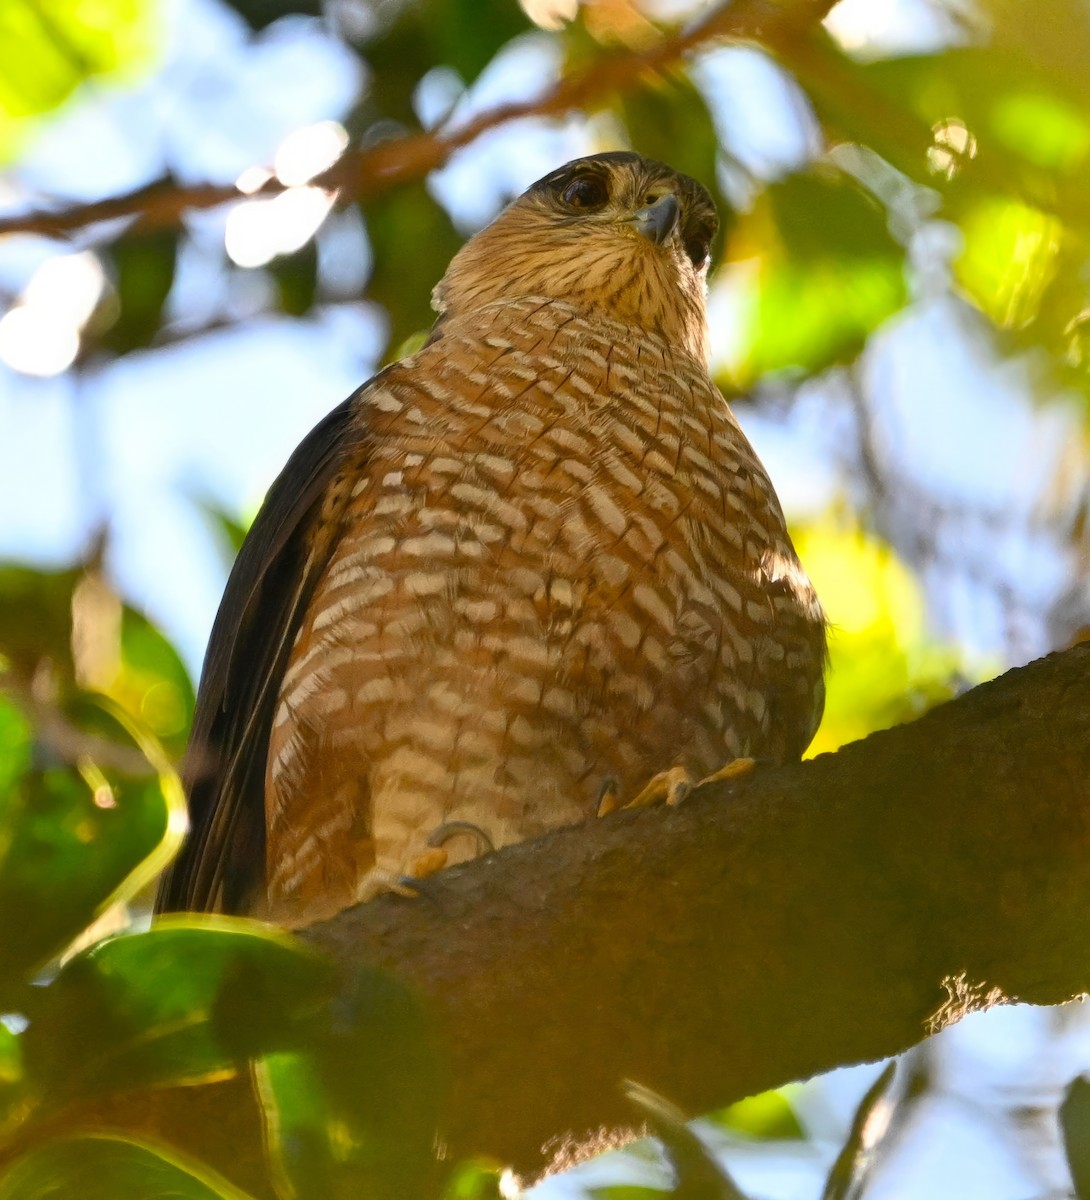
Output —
(613, 233)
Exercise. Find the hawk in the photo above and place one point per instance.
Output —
(517, 571)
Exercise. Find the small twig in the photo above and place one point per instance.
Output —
(367, 173)
(869, 1127)
(697, 1174)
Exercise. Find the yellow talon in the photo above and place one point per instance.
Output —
(671, 786)
(668, 787)
(609, 796)
(735, 769)
(427, 864)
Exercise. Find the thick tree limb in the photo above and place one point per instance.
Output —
(822, 914)
(366, 173)
(816, 915)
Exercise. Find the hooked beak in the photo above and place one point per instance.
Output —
(656, 221)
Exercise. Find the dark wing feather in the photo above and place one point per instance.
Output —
(222, 864)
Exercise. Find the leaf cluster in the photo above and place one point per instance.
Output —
(90, 810)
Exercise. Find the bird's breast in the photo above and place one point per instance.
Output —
(554, 567)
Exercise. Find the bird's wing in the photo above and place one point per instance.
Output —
(222, 863)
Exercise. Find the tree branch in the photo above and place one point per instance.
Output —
(367, 173)
(821, 914)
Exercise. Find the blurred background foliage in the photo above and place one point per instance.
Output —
(900, 306)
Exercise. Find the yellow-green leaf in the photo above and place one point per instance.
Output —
(1008, 259)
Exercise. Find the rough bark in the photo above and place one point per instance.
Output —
(811, 916)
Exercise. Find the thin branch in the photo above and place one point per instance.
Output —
(367, 173)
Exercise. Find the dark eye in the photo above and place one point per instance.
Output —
(586, 191)
(698, 247)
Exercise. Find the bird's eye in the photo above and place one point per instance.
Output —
(699, 249)
(586, 192)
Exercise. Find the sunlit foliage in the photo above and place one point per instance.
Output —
(953, 173)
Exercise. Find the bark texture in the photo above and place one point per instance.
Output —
(812, 916)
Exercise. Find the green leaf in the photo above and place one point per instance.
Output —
(475, 1179)
(824, 215)
(11, 1072)
(153, 684)
(259, 14)
(822, 273)
(767, 1116)
(300, 1125)
(810, 317)
(884, 669)
(77, 839)
(228, 530)
(1022, 126)
(296, 277)
(413, 241)
(112, 1168)
(142, 267)
(463, 35)
(466, 34)
(1008, 259)
(1075, 1126)
(16, 740)
(36, 618)
(125, 655)
(355, 1110)
(1043, 129)
(189, 1000)
(49, 47)
(697, 1173)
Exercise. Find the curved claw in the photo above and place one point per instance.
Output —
(443, 833)
(608, 796)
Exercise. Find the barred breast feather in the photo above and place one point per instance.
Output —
(549, 556)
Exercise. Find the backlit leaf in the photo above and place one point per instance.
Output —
(153, 684)
(1008, 259)
(15, 752)
(49, 47)
(883, 669)
(767, 1116)
(356, 1110)
(191, 999)
(112, 1168)
(817, 272)
(413, 241)
(78, 838)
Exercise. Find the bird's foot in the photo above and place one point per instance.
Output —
(667, 787)
(452, 829)
(380, 882)
(670, 787)
(435, 858)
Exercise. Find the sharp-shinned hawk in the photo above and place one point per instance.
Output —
(535, 556)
